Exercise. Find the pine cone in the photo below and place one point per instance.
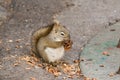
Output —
(68, 44)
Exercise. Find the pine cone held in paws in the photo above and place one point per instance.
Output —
(68, 44)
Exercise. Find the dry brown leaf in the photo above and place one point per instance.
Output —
(111, 74)
(78, 73)
(28, 68)
(18, 40)
(86, 78)
(17, 46)
(76, 61)
(53, 70)
(7, 49)
(105, 53)
(40, 65)
(56, 74)
(1, 66)
(16, 63)
(68, 44)
(26, 58)
(64, 78)
(32, 78)
(30, 60)
(31, 63)
(67, 68)
(72, 73)
(35, 59)
(70, 76)
(94, 79)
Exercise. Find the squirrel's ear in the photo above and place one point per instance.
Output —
(56, 26)
(56, 23)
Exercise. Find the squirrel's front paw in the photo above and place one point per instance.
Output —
(68, 44)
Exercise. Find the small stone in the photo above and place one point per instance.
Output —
(10, 41)
(111, 74)
(21, 46)
(102, 65)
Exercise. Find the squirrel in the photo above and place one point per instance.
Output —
(50, 42)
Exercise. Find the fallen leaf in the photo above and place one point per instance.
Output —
(54, 71)
(28, 68)
(68, 44)
(76, 61)
(105, 53)
(32, 78)
(86, 78)
(40, 65)
(16, 63)
(70, 76)
(111, 74)
(64, 78)
(7, 49)
(18, 40)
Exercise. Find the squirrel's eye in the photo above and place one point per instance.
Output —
(62, 33)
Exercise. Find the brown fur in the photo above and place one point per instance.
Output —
(47, 37)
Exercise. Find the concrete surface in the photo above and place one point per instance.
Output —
(84, 18)
(101, 57)
(4, 13)
(15, 37)
(87, 17)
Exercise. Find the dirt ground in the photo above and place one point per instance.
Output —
(26, 16)
(15, 34)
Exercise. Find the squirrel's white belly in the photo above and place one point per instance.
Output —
(54, 54)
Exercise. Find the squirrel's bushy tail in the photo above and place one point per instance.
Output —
(38, 34)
